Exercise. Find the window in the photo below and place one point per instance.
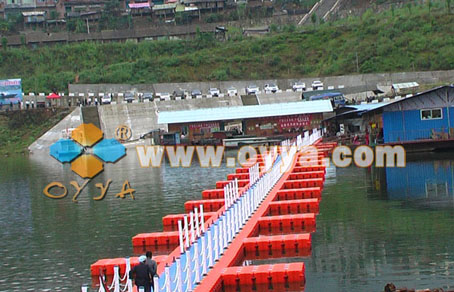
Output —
(431, 114)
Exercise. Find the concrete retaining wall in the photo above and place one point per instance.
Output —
(141, 118)
(351, 83)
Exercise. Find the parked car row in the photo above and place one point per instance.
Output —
(215, 92)
(273, 88)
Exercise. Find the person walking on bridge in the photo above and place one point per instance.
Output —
(141, 274)
(152, 265)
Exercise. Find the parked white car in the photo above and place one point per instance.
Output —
(299, 85)
(317, 85)
(214, 91)
(106, 99)
(271, 88)
(231, 91)
(252, 89)
(163, 95)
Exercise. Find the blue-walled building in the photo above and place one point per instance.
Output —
(424, 116)
(424, 121)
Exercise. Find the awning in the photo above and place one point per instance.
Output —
(139, 5)
(244, 112)
(34, 13)
(53, 96)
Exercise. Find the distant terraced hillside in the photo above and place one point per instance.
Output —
(417, 37)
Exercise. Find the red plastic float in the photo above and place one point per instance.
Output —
(298, 191)
(298, 221)
(241, 183)
(293, 207)
(208, 205)
(303, 183)
(106, 266)
(296, 194)
(156, 239)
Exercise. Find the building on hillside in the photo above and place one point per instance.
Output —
(165, 11)
(206, 5)
(140, 8)
(85, 15)
(11, 7)
(187, 13)
(83, 6)
(34, 17)
(278, 121)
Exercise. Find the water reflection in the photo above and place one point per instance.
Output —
(379, 225)
(375, 225)
(55, 241)
(426, 180)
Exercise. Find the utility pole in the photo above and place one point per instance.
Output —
(88, 27)
(357, 62)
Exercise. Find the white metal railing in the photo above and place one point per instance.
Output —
(201, 247)
(199, 258)
(231, 193)
(254, 173)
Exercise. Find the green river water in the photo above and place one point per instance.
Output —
(375, 225)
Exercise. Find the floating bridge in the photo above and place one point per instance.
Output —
(266, 209)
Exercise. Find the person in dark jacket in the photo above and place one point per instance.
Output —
(141, 274)
(152, 265)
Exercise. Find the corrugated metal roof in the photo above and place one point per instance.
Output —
(244, 112)
(34, 13)
(405, 85)
(164, 6)
(369, 106)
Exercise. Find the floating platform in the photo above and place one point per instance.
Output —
(280, 227)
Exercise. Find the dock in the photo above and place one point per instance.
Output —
(262, 211)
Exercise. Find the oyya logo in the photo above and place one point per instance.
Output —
(84, 151)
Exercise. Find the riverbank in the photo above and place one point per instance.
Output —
(406, 39)
(19, 129)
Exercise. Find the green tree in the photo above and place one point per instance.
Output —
(4, 26)
(71, 25)
(241, 10)
(448, 4)
(4, 43)
(81, 26)
(273, 27)
(53, 14)
(314, 18)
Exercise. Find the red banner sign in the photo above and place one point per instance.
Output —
(295, 121)
(204, 125)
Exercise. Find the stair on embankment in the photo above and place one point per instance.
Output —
(90, 115)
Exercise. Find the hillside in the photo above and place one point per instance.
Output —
(416, 37)
(18, 129)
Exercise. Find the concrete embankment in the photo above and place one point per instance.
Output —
(141, 118)
(57, 132)
(350, 83)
